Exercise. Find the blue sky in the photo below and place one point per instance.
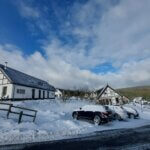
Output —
(77, 43)
(15, 29)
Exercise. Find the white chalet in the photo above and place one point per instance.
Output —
(109, 96)
(58, 93)
(15, 85)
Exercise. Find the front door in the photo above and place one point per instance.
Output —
(43, 94)
(47, 94)
(117, 100)
(81, 114)
(39, 94)
(88, 114)
(33, 93)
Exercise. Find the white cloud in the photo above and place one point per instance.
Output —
(113, 33)
(118, 34)
(27, 11)
(64, 75)
(54, 70)
(121, 30)
(35, 14)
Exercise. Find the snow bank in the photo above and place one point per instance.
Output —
(54, 121)
(143, 110)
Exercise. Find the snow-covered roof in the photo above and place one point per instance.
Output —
(99, 91)
(19, 78)
(102, 90)
(138, 99)
(129, 109)
(93, 108)
(58, 91)
(116, 108)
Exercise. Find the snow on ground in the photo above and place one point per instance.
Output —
(54, 121)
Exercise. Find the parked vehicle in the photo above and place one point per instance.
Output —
(131, 112)
(111, 113)
(96, 113)
(118, 112)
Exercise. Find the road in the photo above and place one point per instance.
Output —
(121, 139)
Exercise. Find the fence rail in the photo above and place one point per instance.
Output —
(21, 112)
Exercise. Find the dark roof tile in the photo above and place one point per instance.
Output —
(20, 78)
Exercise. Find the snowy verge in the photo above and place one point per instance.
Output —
(54, 121)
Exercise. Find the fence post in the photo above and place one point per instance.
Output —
(34, 116)
(20, 117)
(9, 110)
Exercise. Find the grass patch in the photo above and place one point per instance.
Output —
(142, 91)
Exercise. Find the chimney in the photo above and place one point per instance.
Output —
(6, 65)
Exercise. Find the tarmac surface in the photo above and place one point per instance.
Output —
(120, 139)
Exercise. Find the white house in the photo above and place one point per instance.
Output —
(58, 93)
(138, 99)
(108, 95)
(15, 85)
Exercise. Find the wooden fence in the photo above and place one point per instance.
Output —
(11, 109)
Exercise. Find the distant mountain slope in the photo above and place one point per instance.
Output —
(132, 92)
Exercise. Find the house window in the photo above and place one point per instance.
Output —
(52, 94)
(20, 91)
(4, 91)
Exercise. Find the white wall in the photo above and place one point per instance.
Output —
(12, 90)
(9, 91)
(7, 84)
(52, 94)
(28, 92)
(58, 93)
(109, 93)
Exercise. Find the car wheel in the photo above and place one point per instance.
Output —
(118, 117)
(75, 116)
(129, 116)
(136, 117)
(97, 120)
(132, 116)
(115, 117)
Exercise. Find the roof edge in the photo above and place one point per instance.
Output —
(3, 71)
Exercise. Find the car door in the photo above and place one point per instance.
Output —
(89, 114)
(81, 114)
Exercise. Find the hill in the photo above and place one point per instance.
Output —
(142, 91)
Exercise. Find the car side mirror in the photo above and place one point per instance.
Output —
(80, 108)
